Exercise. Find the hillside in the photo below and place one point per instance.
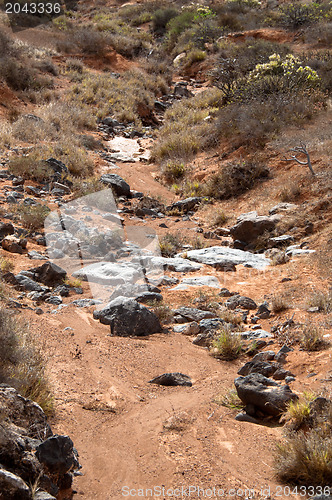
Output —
(174, 163)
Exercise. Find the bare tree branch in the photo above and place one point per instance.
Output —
(302, 149)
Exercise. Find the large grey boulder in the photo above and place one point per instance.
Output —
(250, 225)
(224, 258)
(119, 185)
(127, 317)
(264, 394)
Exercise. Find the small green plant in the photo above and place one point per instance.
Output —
(298, 411)
(311, 338)
(228, 345)
(73, 282)
(173, 171)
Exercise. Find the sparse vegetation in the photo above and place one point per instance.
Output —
(22, 363)
(322, 300)
(227, 345)
(298, 411)
(170, 244)
(6, 265)
(230, 400)
(311, 338)
(162, 311)
(279, 303)
(32, 217)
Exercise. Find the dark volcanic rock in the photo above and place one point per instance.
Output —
(172, 379)
(6, 228)
(50, 274)
(240, 301)
(185, 205)
(263, 393)
(127, 317)
(249, 226)
(12, 487)
(193, 314)
(57, 454)
(118, 184)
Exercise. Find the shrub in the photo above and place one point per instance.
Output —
(230, 400)
(173, 171)
(296, 14)
(311, 338)
(6, 265)
(162, 311)
(305, 458)
(321, 300)
(279, 303)
(219, 218)
(161, 18)
(298, 411)
(228, 345)
(170, 244)
(32, 217)
(30, 167)
(234, 178)
(22, 364)
(290, 193)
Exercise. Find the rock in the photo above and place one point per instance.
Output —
(50, 274)
(179, 59)
(12, 487)
(262, 367)
(55, 300)
(58, 167)
(86, 302)
(313, 310)
(224, 292)
(23, 413)
(127, 317)
(6, 228)
(109, 273)
(33, 255)
(187, 328)
(148, 297)
(119, 185)
(193, 314)
(289, 379)
(263, 312)
(265, 394)
(180, 90)
(203, 339)
(57, 454)
(43, 495)
(250, 225)
(243, 417)
(28, 284)
(12, 244)
(210, 324)
(210, 281)
(224, 258)
(281, 241)
(255, 334)
(172, 379)
(295, 250)
(176, 264)
(186, 205)
(240, 301)
(282, 207)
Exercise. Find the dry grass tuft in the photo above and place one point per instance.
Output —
(228, 345)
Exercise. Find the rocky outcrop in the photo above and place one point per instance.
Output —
(29, 452)
(250, 225)
(225, 259)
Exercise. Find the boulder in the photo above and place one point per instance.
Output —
(240, 301)
(187, 328)
(172, 379)
(28, 284)
(6, 228)
(127, 317)
(13, 244)
(193, 314)
(186, 205)
(12, 487)
(262, 367)
(225, 259)
(57, 454)
(250, 225)
(264, 394)
(49, 274)
(119, 185)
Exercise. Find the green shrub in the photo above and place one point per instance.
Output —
(161, 18)
(170, 244)
(173, 171)
(228, 345)
(297, 14)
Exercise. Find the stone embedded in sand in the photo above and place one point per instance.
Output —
(186, 205)
(193, 314)
(127, 317)
(210, 281)
(172, 379)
